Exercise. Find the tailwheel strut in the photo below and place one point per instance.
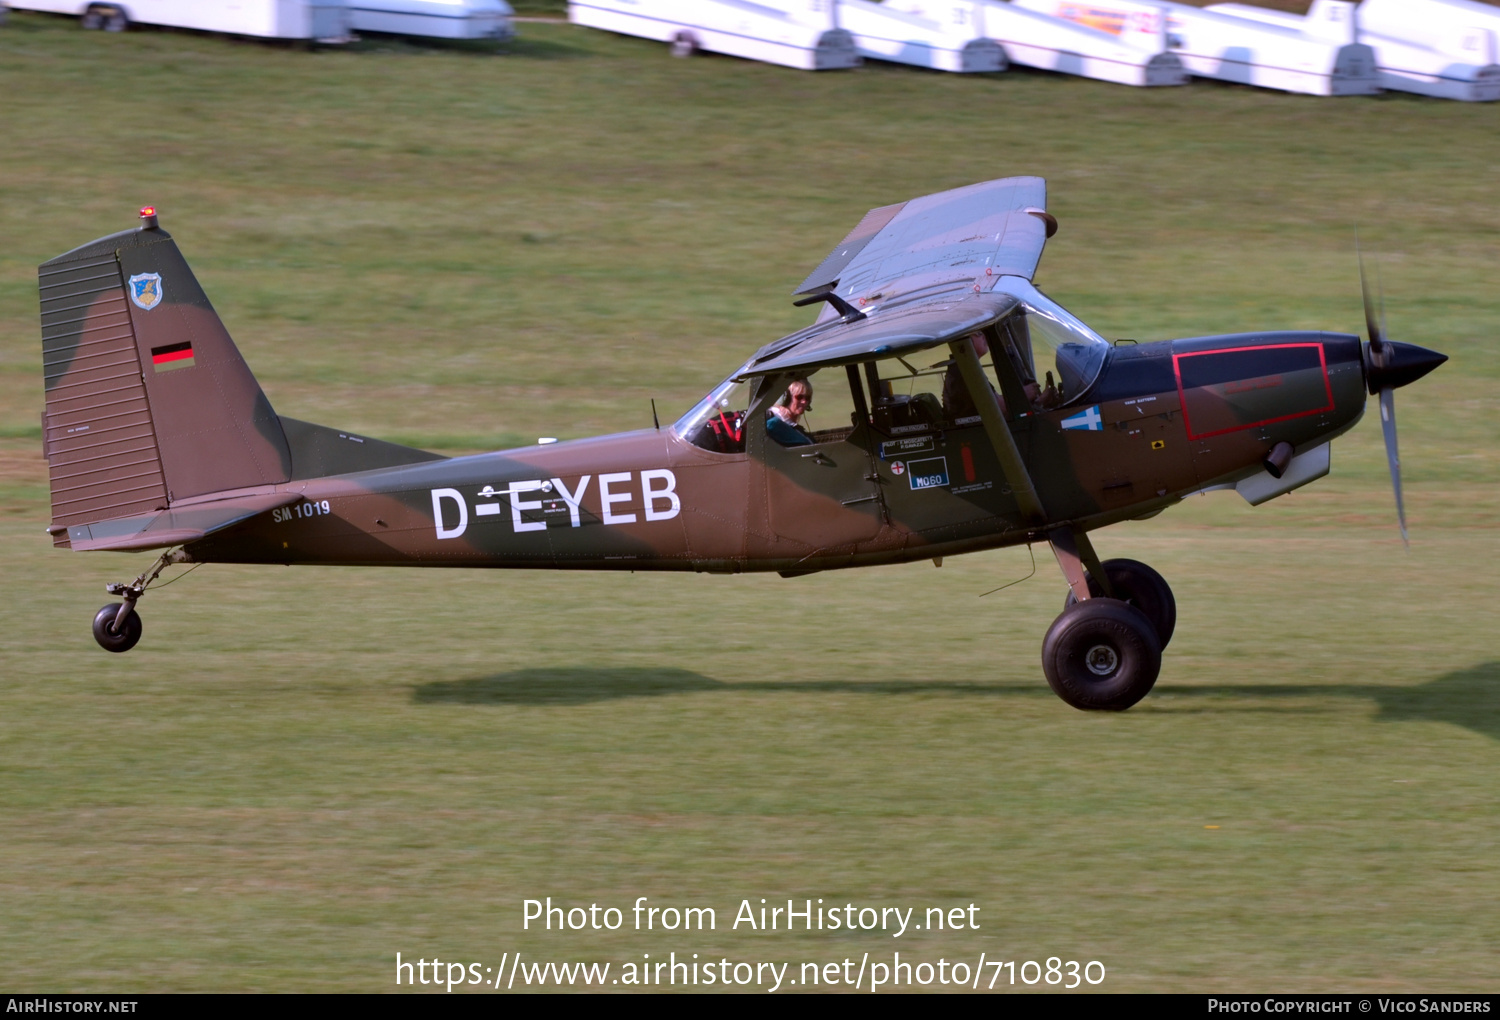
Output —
(117, 626)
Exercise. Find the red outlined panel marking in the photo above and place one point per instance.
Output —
(1266, 382)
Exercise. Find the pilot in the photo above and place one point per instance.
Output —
(784, 419)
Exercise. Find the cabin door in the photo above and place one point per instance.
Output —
(823, 494)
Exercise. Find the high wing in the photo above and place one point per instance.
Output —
(918, 274)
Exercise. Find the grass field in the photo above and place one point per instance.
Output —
(301, 773)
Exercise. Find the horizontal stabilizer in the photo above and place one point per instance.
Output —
(175, 526)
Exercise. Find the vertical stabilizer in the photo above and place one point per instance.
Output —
(148, 400)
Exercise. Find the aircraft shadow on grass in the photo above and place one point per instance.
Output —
(1467, 697)
(584, 684)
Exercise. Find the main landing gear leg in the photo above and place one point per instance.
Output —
(1075, 554)
(1101, 653)
(117, 626)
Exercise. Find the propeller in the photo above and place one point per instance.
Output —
(1389, 364)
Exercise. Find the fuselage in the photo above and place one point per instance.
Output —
(1160, 421)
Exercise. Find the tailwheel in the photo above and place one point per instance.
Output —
(113, 634)
(1140, 586)
(117, 626)
(1101, 655)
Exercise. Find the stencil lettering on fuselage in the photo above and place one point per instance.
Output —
(535, 503)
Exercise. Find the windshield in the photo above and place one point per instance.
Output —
(727, 398)
(1054, 342)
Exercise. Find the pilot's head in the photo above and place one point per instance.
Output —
(797, 399)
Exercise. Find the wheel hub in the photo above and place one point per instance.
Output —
(1102, 660)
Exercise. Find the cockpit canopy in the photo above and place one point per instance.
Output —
(1052, 341)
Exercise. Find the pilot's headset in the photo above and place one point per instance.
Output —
(785, 400)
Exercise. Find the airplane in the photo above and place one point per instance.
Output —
(971, 412)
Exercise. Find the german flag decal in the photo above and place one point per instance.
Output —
(164, 359)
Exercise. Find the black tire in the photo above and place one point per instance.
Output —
(92, 20)
(1142, 587)
(115, 20)
(1101, 655)
(111, 640)
(684, 44)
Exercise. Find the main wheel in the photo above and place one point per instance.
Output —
(1101, 655)
(684, 44)
(1142, 587)
(115, 20)
(93, 19)
(110, 639)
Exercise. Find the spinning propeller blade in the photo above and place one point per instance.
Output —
(1388, 426)
(1389, 365)
(1379, 355)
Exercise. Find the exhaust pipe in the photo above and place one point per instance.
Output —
(1277, 460)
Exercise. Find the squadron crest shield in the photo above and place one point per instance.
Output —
(145, 290)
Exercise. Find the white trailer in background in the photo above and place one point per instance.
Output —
(1443, 48)
(1461, 31)
(1134, 57)
(320, 20)
(949, 37)
(437, 19)
(1249, 51)
(793, 33)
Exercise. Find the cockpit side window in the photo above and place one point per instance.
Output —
(815, 408)
(922, 389)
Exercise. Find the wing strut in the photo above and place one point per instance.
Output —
(993, 418)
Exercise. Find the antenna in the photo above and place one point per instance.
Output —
(654, 419)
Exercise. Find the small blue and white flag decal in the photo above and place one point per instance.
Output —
(1090, 420)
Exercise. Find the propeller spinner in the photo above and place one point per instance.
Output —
(1389, 364)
